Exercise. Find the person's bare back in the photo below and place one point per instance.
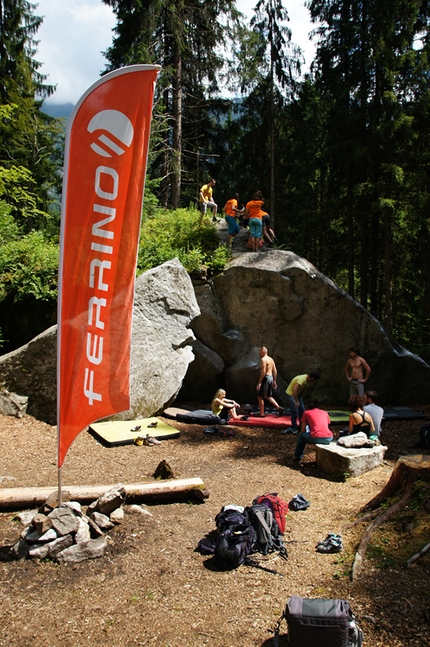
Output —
(267, 365)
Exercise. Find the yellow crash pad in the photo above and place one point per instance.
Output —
(120, 432)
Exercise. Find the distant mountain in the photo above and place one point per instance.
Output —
(58, 109)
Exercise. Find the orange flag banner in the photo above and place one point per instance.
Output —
(104, 173)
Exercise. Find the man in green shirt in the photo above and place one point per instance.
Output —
(295, 399)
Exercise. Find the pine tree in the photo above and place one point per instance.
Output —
(29, 137)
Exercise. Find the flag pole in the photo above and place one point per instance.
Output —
(60, 493)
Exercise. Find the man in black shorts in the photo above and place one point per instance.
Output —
(267, 381)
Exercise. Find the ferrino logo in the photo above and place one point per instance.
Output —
(116, 136)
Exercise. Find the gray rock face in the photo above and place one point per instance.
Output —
(281, 301)
(161, 349)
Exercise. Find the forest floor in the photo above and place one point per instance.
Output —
(152, 588)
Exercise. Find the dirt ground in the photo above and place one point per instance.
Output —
(152, 588)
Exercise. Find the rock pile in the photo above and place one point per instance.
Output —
(66, 533)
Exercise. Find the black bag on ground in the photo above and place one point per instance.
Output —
(425, 437)
(320, 622)
(233, 545)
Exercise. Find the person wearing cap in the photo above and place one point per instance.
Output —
(206, 200)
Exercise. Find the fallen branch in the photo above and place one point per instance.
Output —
(422, 552)
(365, 517)
(385, 516)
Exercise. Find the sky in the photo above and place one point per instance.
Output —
(74, 34)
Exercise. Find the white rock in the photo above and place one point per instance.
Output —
(83, 532)
(138, 509)
(117, 516)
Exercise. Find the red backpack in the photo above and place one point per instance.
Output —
(279, 508)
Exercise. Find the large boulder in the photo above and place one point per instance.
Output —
(161, 348)
(281, 301)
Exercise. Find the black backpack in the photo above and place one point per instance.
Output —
(425, 437)
(320, 622)
(234, 545)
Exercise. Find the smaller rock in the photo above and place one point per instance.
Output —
(95, 531)
(138, 509)
(40, 551)
(164, 471)
(117, 516)
(32, 536)
(75, 506)
(52, 501)
(49, 535)
(80, 552)
(102, 521)
(92, 508)
(41, 523)
(83, 532)
(60, 544)
(28, 530)
(63, 521)
(26, 517)
(12, 404)
(110, 500)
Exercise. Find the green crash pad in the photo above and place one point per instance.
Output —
(119, 432)
(337, 416)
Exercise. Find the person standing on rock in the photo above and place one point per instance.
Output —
(255, 215)
(357, 372)
(232, 211)
(206, 200)
(295, 399)
(267, 382)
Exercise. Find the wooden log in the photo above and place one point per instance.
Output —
(407, 470)
(178, 489)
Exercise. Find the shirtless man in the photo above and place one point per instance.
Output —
(357, 372)
(267, 381)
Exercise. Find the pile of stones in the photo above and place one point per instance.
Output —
(66, 533)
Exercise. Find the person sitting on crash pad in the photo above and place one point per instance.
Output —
(223, 407)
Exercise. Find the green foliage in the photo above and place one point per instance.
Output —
(170, 234)
(29, 268)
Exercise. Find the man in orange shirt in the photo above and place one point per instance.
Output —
(254, 213)
(231, 210)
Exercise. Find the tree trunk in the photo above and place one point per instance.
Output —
(177, 126)
(407, 470)
(272, 143)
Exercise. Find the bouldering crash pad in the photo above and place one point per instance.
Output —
(124, 432)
